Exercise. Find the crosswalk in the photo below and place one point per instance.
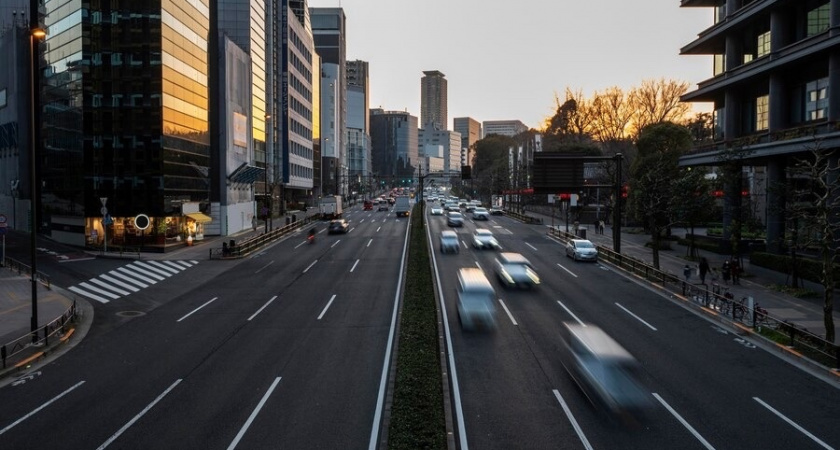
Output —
(129, 279)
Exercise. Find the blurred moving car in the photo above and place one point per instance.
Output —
(476, 300)
(449, 242)
(437, 211)
(338, 226)
(483, 238)
(514, 270)
(383, 205)
(497, 212)
(368, 205)
(450, 206)
(455, 219)
(605, 372)
(581, 250)
(480, 213)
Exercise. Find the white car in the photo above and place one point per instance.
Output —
(514, 270)
(481, 214)
(581, 250)
(483, 238)
(437, 211)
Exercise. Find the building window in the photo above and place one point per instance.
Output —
(816, 99)
(719, 64)
(763, 44)
(762, 119)
(818, 19)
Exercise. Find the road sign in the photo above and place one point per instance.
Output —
(2, 230)
(104, 200)
(2, 218)
(104, 210)
(107, 220)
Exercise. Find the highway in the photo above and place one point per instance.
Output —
(710, 388)
(285, 349)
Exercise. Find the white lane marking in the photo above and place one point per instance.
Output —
(93, 288)
(164, 267)
(36, 410)
(136, 275)
(684, 423)
(361, 220)
(479, 266)
(202, 306)
(508, 312)
(567, 270)
(119, 283)
(263, 267)
(310, 266)
(128, 279)
(369, 242)
(108, 286)
(572, 419)
(146, 271)
(175, 265)
(379, 228)
(253, 414)
(88, 294)
(351, 229)
(138, 416)
(635, 316)
(570, 313)
(304, 242)
(354, 266)
(184, 263)
(326, 307)
(335, 243)
(793, 424)
(151, 268)
(529, 245)
(263, 307)
(194, 261)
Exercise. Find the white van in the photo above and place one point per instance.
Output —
(476, 300)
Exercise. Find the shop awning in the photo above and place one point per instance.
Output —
(199, 217)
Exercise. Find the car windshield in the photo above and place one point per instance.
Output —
(484, 233)
(480, 209)
(455, 215)
(584, 244)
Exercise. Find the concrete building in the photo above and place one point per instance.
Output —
(775, 87)
(358, 127)
(433, 100)
(394, 149)
(443, 144)
(470, 130)
(503, 127)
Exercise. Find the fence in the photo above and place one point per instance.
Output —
(39, 338)
(712, 299)
(22, 269)
(244, 248)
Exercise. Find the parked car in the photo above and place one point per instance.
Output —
(338, 226)
(449, 242)
(476, 300)
(483, 238)
(497, 212)
(437, 211)
(581, 250)
(480, 213)
(455, 219)
(514, 270)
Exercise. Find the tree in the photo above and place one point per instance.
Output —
(817, 203)
(570, 125)
(697, 203)
(658, 101)
(655, 178)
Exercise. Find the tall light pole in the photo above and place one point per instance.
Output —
(34, 82)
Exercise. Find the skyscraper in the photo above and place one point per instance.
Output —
(433, 108)
(358, 126)
(470, 130)
(394, 145)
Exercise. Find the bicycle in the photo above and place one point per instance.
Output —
(739, 310)
(760, 315)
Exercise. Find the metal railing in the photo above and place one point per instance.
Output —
(249, 246)
(25, 269)
(39, 338)
(712, 300)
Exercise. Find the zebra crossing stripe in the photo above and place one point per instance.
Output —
(151, 268)
(180, 264)
(176, 265)
(127, 278)
(164, 268)
(107, 286)
(137, 275)
(194, 262)
(148, 271)
(88, 294)
(119, 283)
(89, 288)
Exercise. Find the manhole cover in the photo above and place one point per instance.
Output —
(130, 313)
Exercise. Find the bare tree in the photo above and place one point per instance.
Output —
(657, 101)
(612, 115)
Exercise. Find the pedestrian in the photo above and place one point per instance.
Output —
(736, 271)
(601, 226)
(254, 222)
(704, 269)
(725, 271)
(687, 272)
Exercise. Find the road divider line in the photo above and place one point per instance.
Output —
(572, 419)
(793, 424)
(138, 416)
(378, 228)
(310, 266)
(194, 311)
(254, 414)
(369, 242)
(567, 270)
(684, 423)
(263, 307)
(36, 410)
(326, 307)
(508, 312)
(263, 267)
(635, 316)
(335, 243)
(570, 313)
(529, 245)
(354, 266)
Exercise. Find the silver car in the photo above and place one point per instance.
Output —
(449, 242)
(480, 213)
(581, 250)
(476, 300)
(483, 238)
(514, 270)
(437, 211)
(455, 219)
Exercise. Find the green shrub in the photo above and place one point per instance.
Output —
(807, 268)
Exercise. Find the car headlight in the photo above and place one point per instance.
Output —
(533, 276)
(507, 276)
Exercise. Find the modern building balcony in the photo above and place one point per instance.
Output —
(712, 40)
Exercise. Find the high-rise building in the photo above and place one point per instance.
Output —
(444, 144)
(503, 127)
(470, 130)
(433, 95)
(328, 30)
(358, 128)
(394, 145)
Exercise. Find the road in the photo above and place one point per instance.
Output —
(286, 349)
(710, 387)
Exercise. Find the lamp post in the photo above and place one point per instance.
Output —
(34, 34)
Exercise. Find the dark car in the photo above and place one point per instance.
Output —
(338, 226)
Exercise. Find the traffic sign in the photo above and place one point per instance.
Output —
(103, 211)
(2, 218)
(2, 230)
(104, 200)
(107, 220)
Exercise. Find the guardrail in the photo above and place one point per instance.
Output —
(714, 300)
(18, 348)
(244, 248)
(524, 218)
(21, 269)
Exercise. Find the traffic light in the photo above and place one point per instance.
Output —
(466, 172)
(624, 190)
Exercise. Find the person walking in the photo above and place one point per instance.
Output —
(725, 271)
(704, 269)
(736, 271)
(687, 272)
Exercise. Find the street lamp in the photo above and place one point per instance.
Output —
(34, 34)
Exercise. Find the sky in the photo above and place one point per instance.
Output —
(506, 60)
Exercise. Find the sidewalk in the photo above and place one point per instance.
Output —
(756, 281)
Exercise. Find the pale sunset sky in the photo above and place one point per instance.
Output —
(507, 59)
